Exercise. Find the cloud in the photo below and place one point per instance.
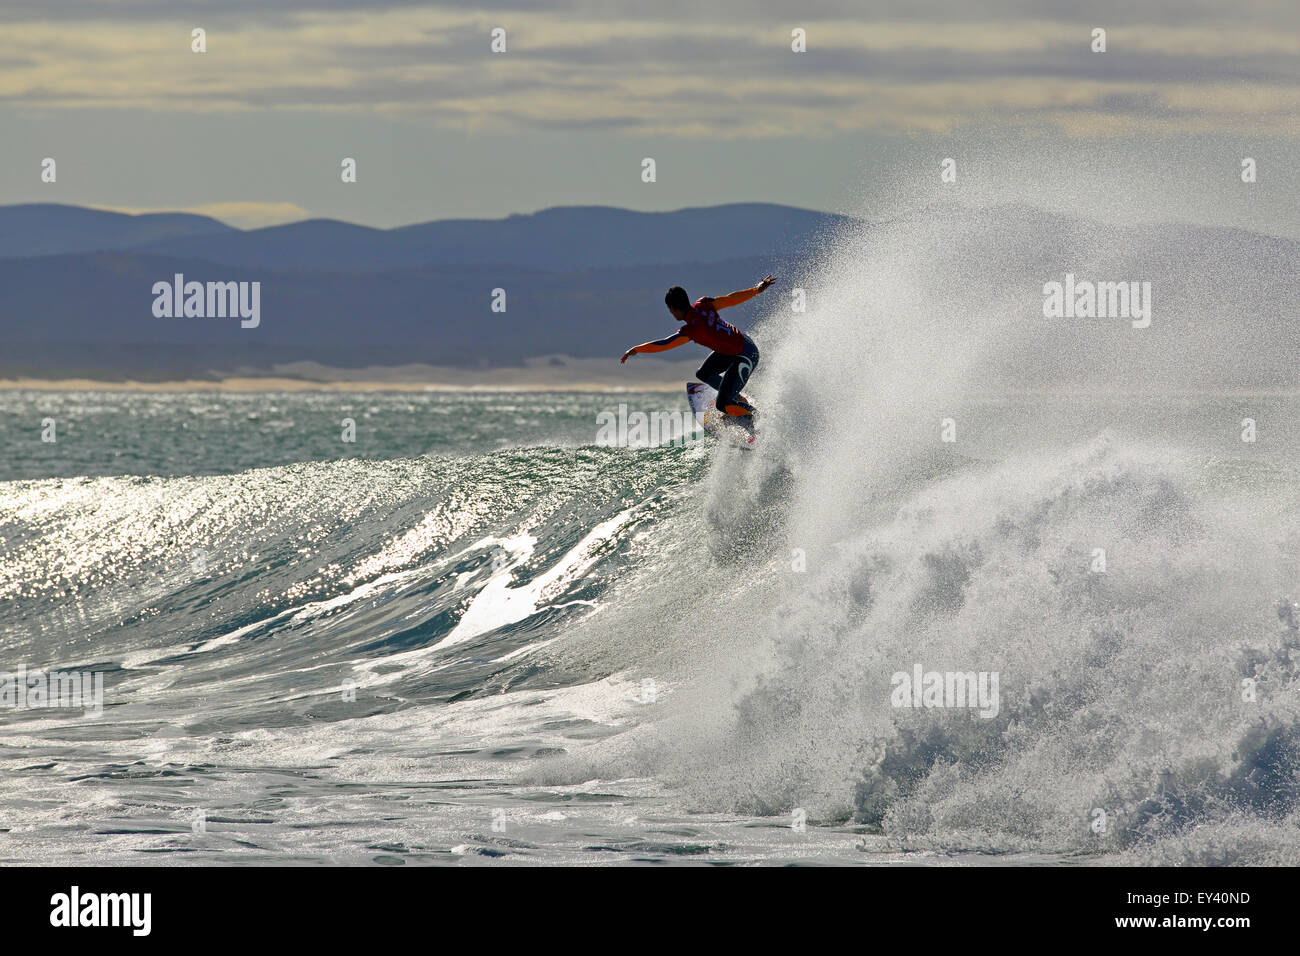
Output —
(720, 74)
(241, 214)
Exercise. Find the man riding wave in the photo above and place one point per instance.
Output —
(734, 353)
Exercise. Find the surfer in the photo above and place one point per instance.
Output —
(734, 353)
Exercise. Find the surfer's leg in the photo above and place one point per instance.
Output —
(734, 379)
(710, 373)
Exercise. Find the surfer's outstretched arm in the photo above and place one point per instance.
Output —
(744, 295)
(659, 345)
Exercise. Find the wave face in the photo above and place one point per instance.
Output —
(641, 650)
(408, 578)
(1123, 562)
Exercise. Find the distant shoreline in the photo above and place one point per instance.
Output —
(540, 374)
(270, 384)
(498, 382)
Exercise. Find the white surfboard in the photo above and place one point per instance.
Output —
(716, 423)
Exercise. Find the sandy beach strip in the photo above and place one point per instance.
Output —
(301, 385)
(535, 375)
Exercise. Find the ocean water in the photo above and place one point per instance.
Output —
(454, 642)
(477, 636)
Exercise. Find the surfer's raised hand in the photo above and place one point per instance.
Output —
(764, 282)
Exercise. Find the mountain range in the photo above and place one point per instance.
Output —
(581, 281)
(77, 295)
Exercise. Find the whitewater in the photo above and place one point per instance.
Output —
(479, 637)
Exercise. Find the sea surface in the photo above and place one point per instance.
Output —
(477, 635)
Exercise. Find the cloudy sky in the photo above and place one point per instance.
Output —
(254, 129)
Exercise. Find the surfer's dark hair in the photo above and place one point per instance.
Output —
(677, 298)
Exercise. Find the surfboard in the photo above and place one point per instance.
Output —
(716, 423)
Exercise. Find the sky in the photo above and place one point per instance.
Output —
(253, 131)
